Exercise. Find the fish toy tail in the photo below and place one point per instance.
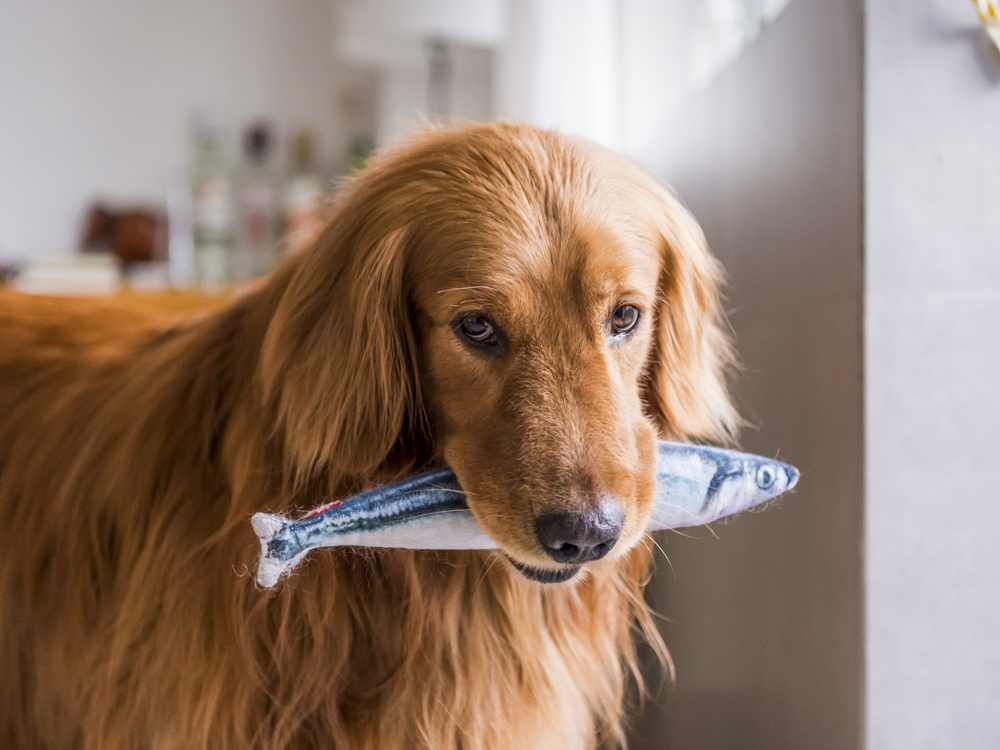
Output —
(272, 530)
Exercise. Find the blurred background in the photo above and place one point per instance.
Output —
(843, 158)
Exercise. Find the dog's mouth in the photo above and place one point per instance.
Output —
(540, 575)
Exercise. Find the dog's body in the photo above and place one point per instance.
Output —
(133, 453)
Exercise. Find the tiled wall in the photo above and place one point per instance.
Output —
(766, 611)
(932, 377)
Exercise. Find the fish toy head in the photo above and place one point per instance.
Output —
(697, 484)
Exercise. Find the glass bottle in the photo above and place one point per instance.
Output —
(257, 201)
(303, 195)
(212, 207)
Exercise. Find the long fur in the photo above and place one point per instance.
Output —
(134, 447)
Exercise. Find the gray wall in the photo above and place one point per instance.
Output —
(765, 612)
(932, 377)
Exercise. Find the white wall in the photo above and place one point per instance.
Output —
(765, 612)
(932, 379)
(560, 67)
(554, 63)
(672, 49)
(97, 98)
(393, 39)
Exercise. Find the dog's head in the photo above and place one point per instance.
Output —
(532, 305)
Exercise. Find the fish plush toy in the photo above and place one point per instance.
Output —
(694, 485)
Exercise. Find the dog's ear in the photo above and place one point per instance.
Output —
(686, 387)
(338, 360)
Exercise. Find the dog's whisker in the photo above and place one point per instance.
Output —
(486, 572)
(680, 532)
(442, 512)
(665, 557)
(690, 513)
(465, 288)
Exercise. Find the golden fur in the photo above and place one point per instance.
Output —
(134, 447)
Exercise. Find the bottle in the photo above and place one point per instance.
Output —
(257, 201)
(361, 150)
(303, 195)
(211, 206)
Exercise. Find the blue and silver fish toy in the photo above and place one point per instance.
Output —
(694, 485)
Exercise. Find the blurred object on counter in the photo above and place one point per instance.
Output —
(152, 276)
(439, 85)
(359, 108)
(212, 205)
(85, 274)
(180, 225)
(257, 204)
(303, 194)
(131, 235)
(9, 270)
(362, 148)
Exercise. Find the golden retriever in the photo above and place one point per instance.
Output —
(529, 308)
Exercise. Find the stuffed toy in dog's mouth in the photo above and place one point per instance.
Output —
(695, 485)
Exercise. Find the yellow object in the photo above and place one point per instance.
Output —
(989, 14)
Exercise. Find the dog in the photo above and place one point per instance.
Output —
(529, 308)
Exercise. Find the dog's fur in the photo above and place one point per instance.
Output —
(134, 449)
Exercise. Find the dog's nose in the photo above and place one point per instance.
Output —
(580, 537)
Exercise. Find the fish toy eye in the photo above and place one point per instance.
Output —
(766, 476)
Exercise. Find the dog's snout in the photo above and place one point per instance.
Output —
(580, 537)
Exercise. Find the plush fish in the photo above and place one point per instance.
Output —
(694, 485)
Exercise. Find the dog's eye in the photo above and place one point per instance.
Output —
(479, 330)
(625, 319)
